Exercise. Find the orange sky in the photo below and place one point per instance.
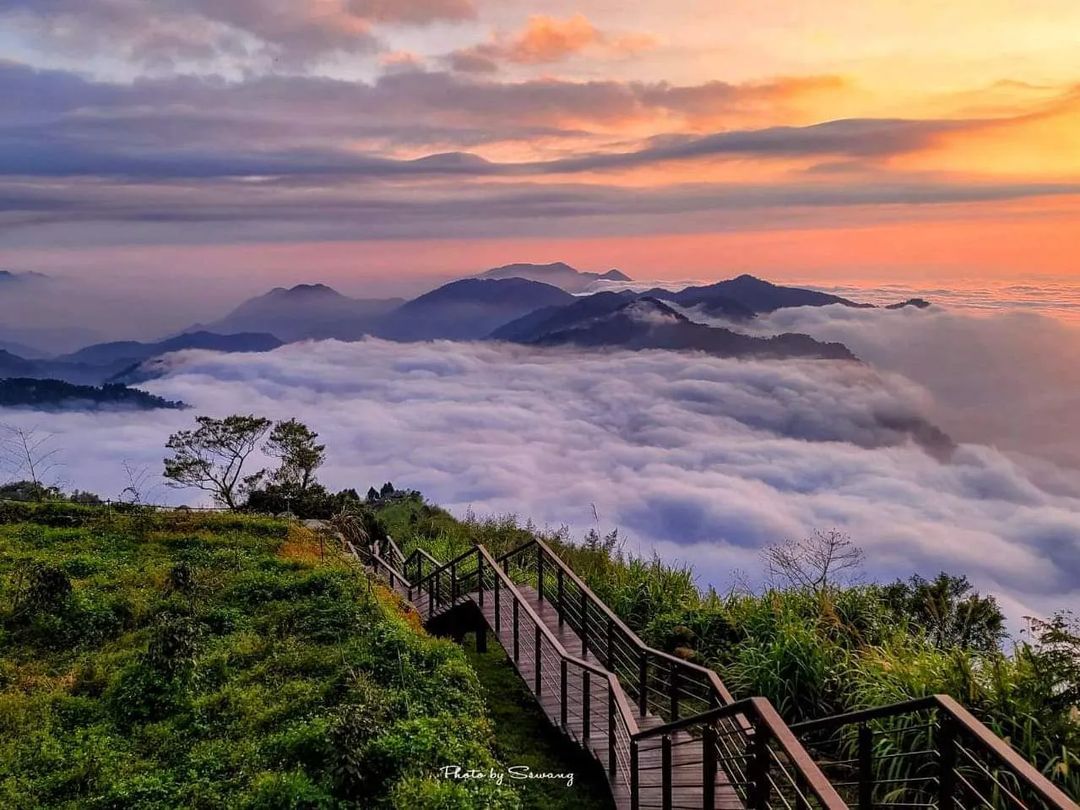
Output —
(821, 139)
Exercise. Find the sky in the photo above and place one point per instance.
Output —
(382, 146)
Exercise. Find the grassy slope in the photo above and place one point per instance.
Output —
(218, 662)
(811, 654)
(523, 736)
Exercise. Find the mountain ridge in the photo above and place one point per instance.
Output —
(558, 274)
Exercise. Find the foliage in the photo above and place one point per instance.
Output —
(160, 660)
(524, 736)
(949, 611)
(811, 645)
(294, 445)
(212, 456)
(314, 501)
(57, 394)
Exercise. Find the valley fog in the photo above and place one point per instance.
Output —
(701, 459)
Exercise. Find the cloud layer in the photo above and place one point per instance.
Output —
(702, 459)
(1010, 379)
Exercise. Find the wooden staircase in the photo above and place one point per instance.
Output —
(669, 734)
(726, 760)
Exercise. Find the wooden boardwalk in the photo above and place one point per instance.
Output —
(686, 754)
(667, 731)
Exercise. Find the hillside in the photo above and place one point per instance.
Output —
(125, 352)
(110, 362)
(646, 323)
(45, 395)
(306, 311)
(819, 649)
(469, 309)
(746, 295)
(185, 660)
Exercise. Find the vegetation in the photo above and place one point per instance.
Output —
(152, 660)
(524, 736)
(212, 456)
(56, 394)
(813, 646)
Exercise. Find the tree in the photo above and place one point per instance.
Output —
(950, 611)
(294, 445)
(29, 455)
(815, 562)
(212, 456)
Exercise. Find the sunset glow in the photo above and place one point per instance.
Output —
(885, 140)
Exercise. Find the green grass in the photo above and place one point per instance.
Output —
(219, 661)
(523, 736)
(812, 654)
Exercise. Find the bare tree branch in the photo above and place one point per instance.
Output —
(815, 562)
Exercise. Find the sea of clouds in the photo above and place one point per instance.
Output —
(701, 459)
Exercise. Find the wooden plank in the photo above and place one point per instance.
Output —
(686, 752)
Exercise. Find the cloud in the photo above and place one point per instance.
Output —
(703, 459)
(1008, 378)
(304, 158)
(203, 31)
(545, 40)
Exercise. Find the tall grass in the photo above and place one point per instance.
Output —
(813, 653)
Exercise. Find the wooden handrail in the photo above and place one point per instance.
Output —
(989, 742)
(769, 727)
(724, 696)
(482, 553)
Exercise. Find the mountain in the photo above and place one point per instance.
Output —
(915, 303)
(558, 274)
(469, 309)
(306, 311)
(43, 395)
(126, 352)
(544, 321)
(7, 277)
(103, 362)
(21, 349)
(648, 323)
(746, 296)
(11, 365)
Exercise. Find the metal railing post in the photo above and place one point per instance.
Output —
(946, 763)
(498, 615)
(610, 644)
(612, 740)
(674, 689)
(517, 640)
(539, 658)
(562, 694)
(708, 767)
(665, 772)
(480, 578)
(586, 700)
(584, 625)
(643, 683)
(540, 573)
(559, 593)
(635, 791)
(866, 767)
(758, 769)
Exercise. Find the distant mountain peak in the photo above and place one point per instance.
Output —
(306, 291)
(649, 311)
(560, 274)
(915, 303)
(16, 277)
